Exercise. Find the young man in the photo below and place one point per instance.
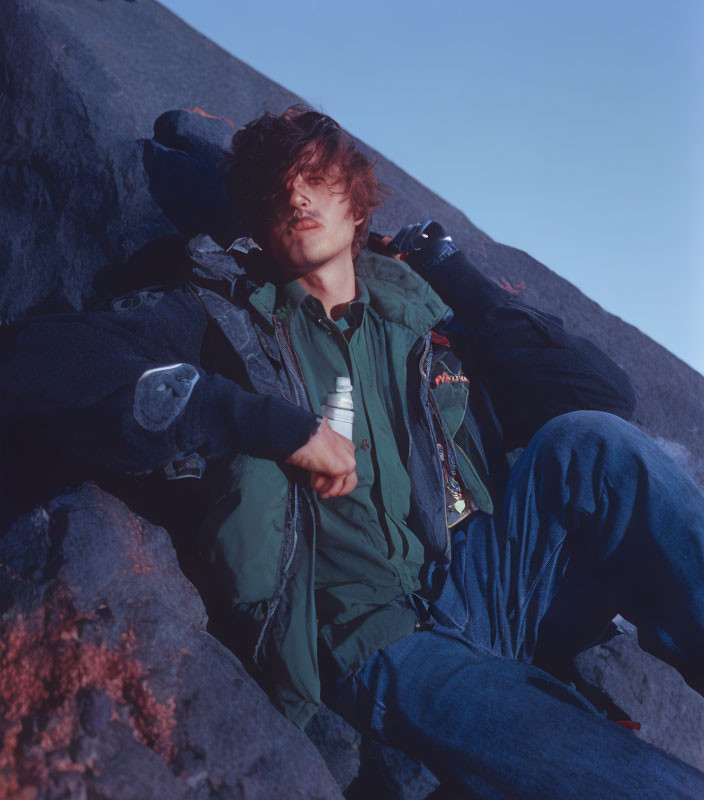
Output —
(491, 514)
(437, 573)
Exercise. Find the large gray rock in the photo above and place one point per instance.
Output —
(109, 685)
(630, 684)
(364, 769)
(338, 743)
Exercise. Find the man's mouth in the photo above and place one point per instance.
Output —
(305, 223)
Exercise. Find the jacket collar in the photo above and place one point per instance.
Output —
(396, 292)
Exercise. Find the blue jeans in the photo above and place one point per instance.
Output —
(596, 520)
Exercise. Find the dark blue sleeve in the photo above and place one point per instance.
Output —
(72, 378)
(531, 366)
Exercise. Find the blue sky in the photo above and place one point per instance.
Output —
(572, 130)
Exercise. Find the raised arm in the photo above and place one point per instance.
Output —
(532, 367)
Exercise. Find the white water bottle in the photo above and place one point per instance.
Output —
(339, 410)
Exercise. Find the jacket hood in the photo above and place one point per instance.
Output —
(399, 294)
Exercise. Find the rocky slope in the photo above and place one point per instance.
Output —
(110, 686)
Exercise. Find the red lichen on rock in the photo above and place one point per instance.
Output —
(44, 664)
(200, 111)
(134, 545)
(513, 289)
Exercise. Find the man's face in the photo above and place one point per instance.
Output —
(313, 225)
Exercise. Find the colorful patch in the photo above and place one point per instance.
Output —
(446, 377)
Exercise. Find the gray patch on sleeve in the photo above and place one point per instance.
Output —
(162, 394)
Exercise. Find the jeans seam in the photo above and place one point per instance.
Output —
(480, 646)
(536, 580)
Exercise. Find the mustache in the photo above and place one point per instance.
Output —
(295, 218)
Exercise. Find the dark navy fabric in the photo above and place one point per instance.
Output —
(70, 379)
(531, 367)
(597, 520)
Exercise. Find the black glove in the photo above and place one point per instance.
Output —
(426, 243)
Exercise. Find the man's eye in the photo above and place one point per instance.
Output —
(314, 179)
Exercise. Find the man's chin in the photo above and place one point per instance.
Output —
(299, 269)
(300, 264)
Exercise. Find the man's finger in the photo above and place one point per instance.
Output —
(349, 484)
(334, 489)
(344, 485)
(386, 241)
(320, 483)
(350, 461)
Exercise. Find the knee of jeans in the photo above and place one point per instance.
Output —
(578, 425)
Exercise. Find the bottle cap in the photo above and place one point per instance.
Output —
(343, 385)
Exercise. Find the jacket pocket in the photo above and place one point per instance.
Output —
(451, 398)
(244, 534)
(471, 479)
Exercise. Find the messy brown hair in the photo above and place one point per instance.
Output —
(267, 154)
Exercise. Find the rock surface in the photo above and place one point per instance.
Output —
(619, 677)
(109, 685)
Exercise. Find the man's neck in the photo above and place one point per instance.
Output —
(333, 283)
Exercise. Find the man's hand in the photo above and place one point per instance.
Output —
(330, 460)
(422, 245)
(386, 241)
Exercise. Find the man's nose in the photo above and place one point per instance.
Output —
(299, 197)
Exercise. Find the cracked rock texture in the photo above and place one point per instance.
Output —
(630, 684)
(109, 685)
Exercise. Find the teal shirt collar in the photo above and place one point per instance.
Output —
(295, 296)
(393, 290)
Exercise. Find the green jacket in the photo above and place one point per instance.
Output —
(261, 534)
(523, 368)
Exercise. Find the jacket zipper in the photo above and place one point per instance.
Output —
(449, 444)
(430, 407)
(282, 578)
(290, 361)
(432, 403)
